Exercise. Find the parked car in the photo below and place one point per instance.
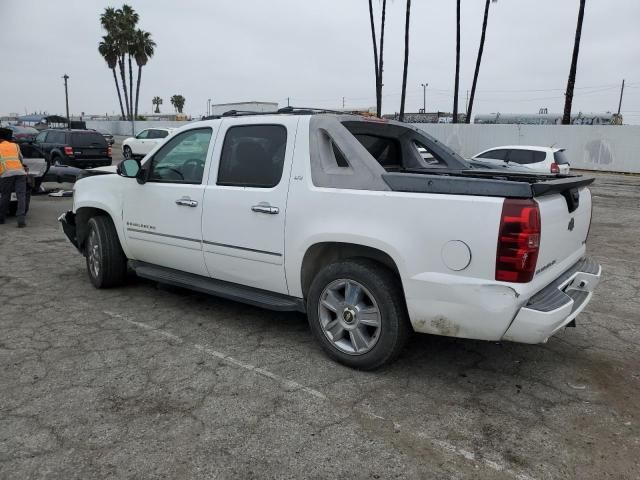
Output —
(77, 148)
(144, 142)
(539, 159)
(342, 217)
(22, 134)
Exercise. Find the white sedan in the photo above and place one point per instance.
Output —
(539, 159)
(144, 142)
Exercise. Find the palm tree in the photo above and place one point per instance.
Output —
(406, 61)
(378, 60)
(143, 49)
(566, 118)
(375, 55)
(178, 102)
(157, 101)
(479, 59)
(457, 82)
(109, 52)
(128, 21)
(110, 21)
(120, 25)
(381, 62)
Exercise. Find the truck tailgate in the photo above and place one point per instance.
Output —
(563, 232)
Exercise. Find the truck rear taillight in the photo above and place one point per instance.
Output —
(555, 168)
(109, 150)
(518, 241)
(68, 151)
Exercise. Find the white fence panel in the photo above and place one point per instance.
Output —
(604, 147)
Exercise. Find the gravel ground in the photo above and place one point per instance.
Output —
(148, 381)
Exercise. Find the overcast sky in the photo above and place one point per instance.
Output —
(316, 52)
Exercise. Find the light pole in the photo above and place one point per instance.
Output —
(424, 97)
(208, 107)
(66, 97)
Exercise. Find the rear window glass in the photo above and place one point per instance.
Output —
(524, 157)
(384, 149)
(560, 158)
(253, 156)
(87, 139)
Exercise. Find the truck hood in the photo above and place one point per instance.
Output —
(102, 170)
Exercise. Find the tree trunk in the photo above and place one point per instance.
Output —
(124, 86)
(406, 61)
(138, 91)
(478, 61)
(375, 54)
(381, 62)
(115, 79)
(566, 118)
(131, 89)
(457, 82)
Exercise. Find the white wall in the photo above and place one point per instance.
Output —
(124, 128)
(605, 147)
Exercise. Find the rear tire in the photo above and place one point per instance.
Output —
(106, 262)
(356, 310)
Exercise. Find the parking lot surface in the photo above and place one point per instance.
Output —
(149, 381)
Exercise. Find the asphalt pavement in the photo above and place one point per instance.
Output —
(148, 381)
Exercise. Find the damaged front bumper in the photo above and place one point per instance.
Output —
(68, 222)
(556, 305)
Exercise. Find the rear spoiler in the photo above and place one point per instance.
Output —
(486, 184)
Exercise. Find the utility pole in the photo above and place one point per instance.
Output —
(424, 97)
(621, 92)
(343, 103)
(66, 97)
(466, 108)
(288, 102)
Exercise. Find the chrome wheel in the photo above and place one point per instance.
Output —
(349, 316)
(93, 254)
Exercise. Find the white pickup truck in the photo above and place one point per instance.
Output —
(342, 217)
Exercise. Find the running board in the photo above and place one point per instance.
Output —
(218, 288)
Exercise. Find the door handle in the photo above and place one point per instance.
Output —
(186, 202)
(264, 207)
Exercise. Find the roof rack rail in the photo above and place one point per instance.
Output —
(281, 111)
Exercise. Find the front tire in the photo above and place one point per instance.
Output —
(357, 312)
(106, 262)
(126, 152)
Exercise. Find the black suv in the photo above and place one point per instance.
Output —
(78, 148)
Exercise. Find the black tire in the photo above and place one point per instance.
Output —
(126, 152)
(385, 289)
(110, 261)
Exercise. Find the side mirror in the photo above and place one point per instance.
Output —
(128, 168)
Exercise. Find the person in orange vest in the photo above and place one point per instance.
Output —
(13, 177)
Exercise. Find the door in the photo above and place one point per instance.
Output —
(140, 145)
(245, 203)
(163, 216)
(40, 144)
(495, 157)
(155, 138)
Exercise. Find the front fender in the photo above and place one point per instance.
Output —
(103, 193)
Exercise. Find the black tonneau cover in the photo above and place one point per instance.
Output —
(483, 183)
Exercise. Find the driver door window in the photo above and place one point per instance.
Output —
(143, 135)
(182, 159)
